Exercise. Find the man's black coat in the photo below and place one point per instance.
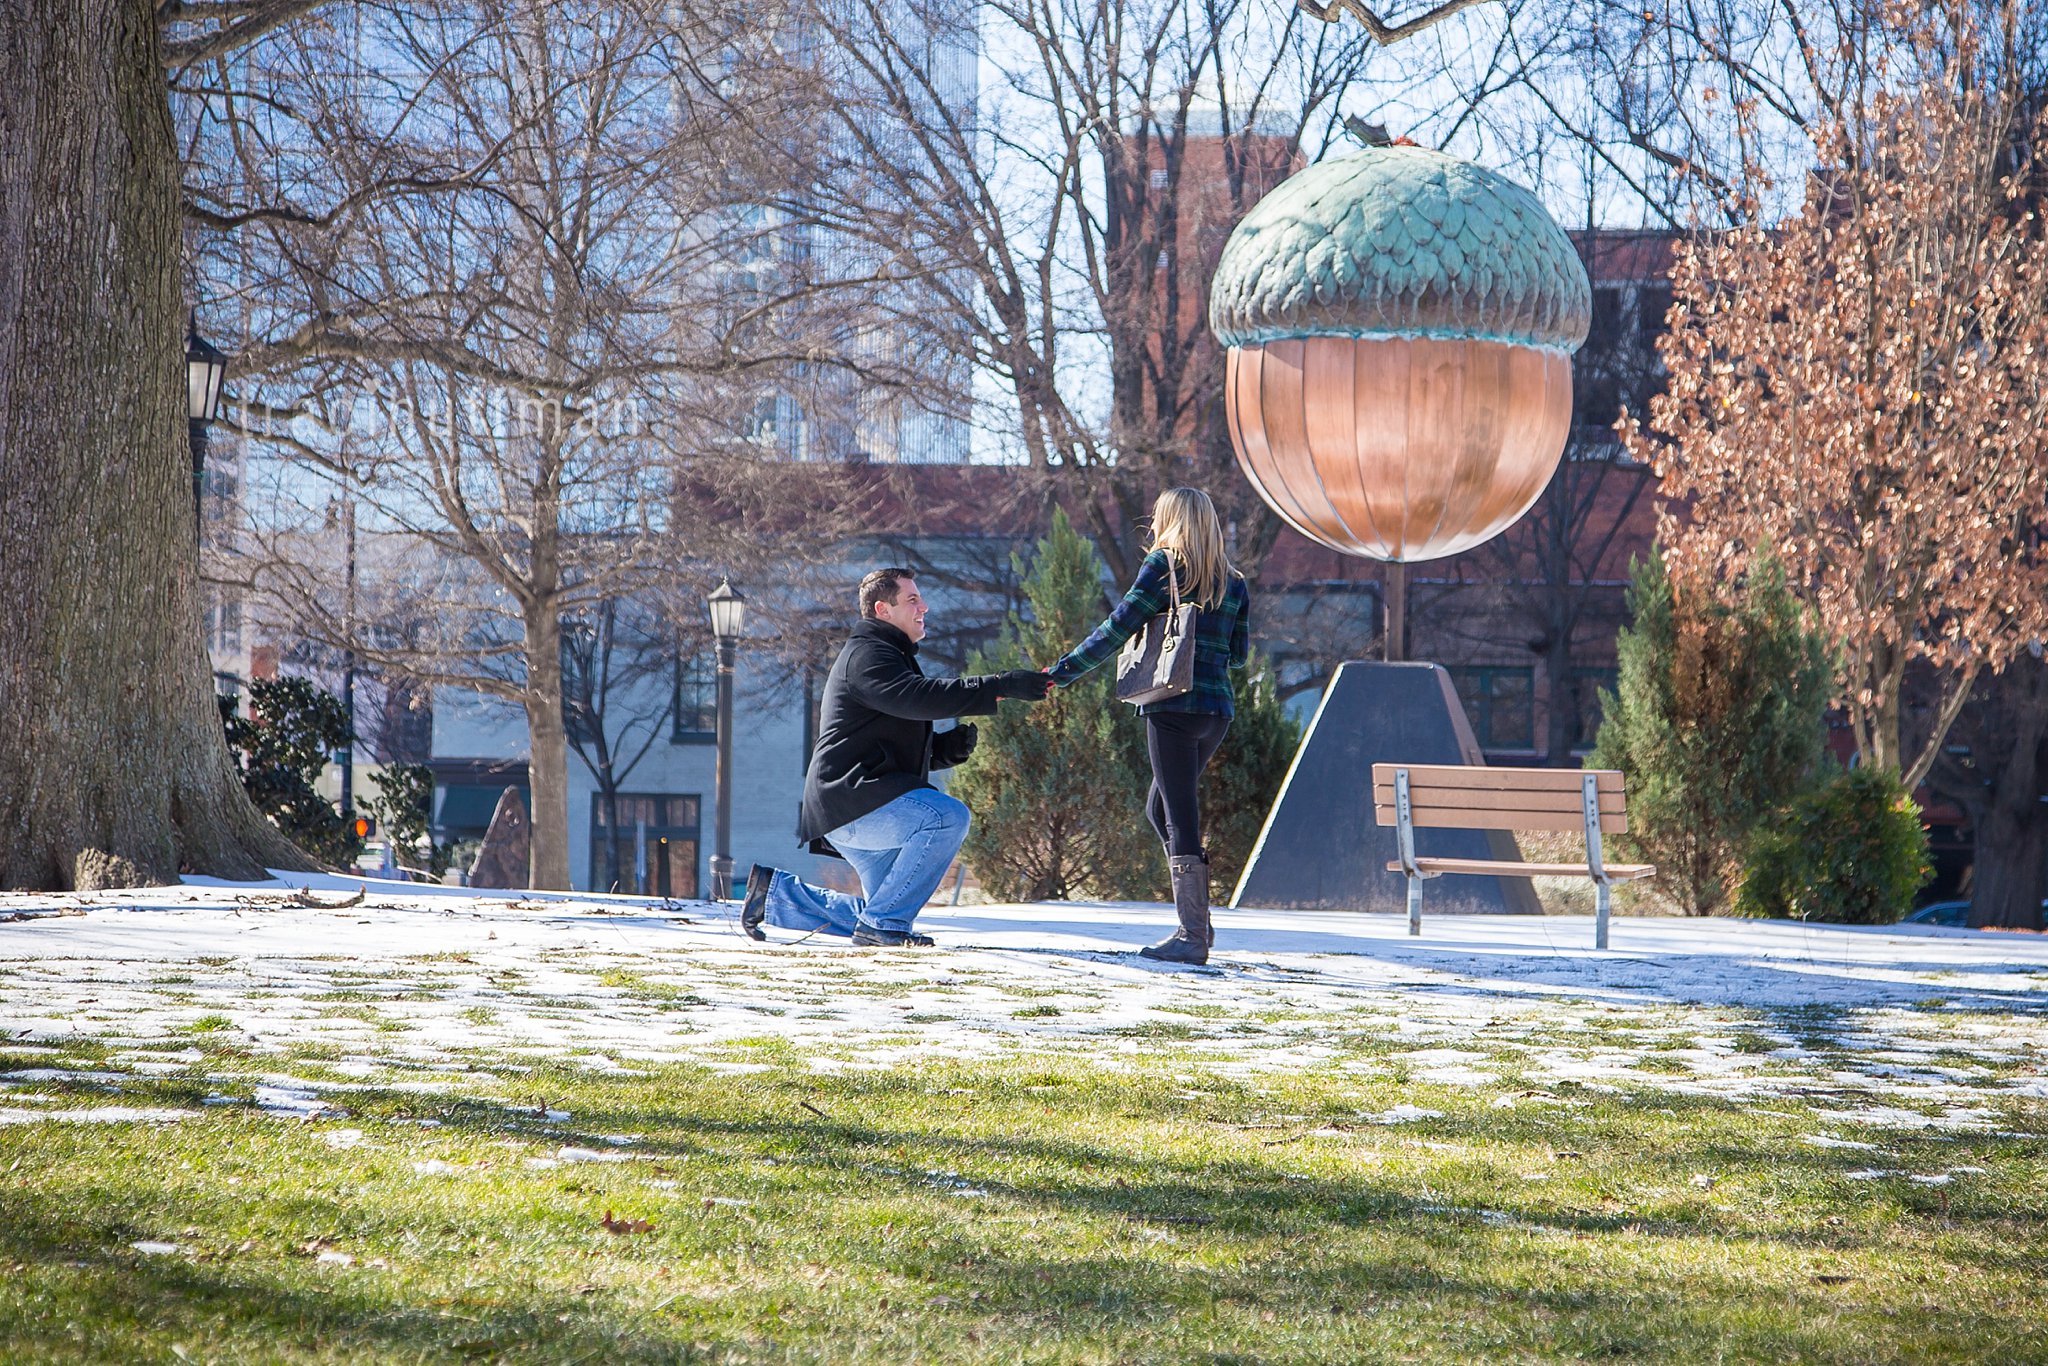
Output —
(875, 739)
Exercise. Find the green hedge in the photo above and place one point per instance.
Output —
(1850, 851)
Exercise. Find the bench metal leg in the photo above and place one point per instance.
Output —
(1600, 915)
(1415, 905)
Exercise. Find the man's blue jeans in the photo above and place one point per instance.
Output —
(900, 851)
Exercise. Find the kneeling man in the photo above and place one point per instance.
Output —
(867, 796)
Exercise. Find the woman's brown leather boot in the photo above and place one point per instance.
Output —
(1191, 942)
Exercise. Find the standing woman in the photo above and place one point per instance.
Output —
(1181, 733)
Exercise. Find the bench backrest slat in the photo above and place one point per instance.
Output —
(1453, 818)
(1479, 798)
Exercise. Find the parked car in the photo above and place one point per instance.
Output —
(1952, 913)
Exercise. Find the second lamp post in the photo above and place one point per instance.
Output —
(728, 620)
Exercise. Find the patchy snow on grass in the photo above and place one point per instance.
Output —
(98, 1114)
(414, 986)
(1403, 1114)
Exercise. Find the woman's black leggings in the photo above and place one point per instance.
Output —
(1180, 745)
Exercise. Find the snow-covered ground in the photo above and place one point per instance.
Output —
(1916, 1026)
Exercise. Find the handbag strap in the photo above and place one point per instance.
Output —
(1173, 591)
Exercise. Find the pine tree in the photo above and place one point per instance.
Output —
(1058, 789)
(1716, 719)
(1244, 779)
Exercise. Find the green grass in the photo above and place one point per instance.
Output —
(662, 994)
(1029, 1210)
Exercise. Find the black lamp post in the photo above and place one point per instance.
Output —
(205, 367)
(728, 620)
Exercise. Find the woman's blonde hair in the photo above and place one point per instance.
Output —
(1184, 522)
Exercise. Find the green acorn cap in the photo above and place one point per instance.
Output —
(1400, 242)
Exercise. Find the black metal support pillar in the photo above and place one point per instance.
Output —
(1396, 640)
(195, 431)
(721, 857)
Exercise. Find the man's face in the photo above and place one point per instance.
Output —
(906, 614)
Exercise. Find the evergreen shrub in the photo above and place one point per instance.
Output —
(1849, 850)
(281, 746)
(1718, 714)
(404, 808)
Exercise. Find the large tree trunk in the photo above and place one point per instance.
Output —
(2012, 840)
(2012, 819)
(548, 769)
(113, 767)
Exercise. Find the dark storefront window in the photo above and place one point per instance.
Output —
(664, 826)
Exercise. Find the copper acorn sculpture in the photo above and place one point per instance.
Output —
(1400, 326)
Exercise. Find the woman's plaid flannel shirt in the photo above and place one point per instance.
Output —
(1223, 640)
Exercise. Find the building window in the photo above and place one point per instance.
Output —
(696, 700)
(655, 852)
(760, 426)
(224, 627)
(1500, 703)
(1653, 301)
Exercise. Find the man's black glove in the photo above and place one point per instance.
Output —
(1026, 685)
(953, 746)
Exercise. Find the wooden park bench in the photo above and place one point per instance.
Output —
(1469, 797)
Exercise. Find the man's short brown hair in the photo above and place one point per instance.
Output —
(881, 586)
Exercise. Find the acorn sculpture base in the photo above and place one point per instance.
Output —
(1321, 848)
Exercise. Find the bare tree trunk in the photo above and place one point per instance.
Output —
(548, 768)
(113, 767)
(615, 847)
(1561, 730)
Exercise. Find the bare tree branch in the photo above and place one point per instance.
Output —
(1382, 32)
(248, 21)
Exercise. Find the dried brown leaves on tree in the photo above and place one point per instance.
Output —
(1862, 388)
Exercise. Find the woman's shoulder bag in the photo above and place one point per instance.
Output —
(1158, 662)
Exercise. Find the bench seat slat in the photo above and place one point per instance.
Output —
(1465, 818)
(1463, 777)
(1618, 872)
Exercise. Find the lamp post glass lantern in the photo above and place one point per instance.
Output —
(205, 367)
(728, 619)
(728, 611)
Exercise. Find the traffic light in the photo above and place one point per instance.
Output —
(364, 826)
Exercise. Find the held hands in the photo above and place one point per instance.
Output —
(1025, 685)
